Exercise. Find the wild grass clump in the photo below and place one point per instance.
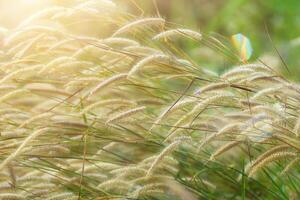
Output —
(125, 113)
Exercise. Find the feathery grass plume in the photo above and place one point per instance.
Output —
(172, 135)
(106, 166)
(45, 105)
(227, 128)
(15, 49)
(224, 148)
(13, 94)
(27, 71)
(49, 186)
(125, 114)
(97, 176)
(142, 50)
(75, 85)
(184, 32)
(118, 41)
(171, 147)
(212, 87)
(72, 67)
(13, 144)
(276, 149)
(205, 125)
(237, 72)
(26, 33)
(271, 111)
(267, 160)
(289, 166)
(61, 162)
(139, 23)
(267, 91)
(16, 116)
(261, 76)
(202, 105)
(87, 51)
(257, 67)
(107, 102)
(88, 168)
(10, 110)
(254, 119)
(68, 122)
(38, 193)
(215, 99)
(148, 60)
(9, 66)
(179, 124)
(56, 62)
(150, 102)
(150, 179)
(149, 189)
(81, 81)
(45, 88)
(18, 151)
(167, 159)
(125, 172)
(107, 82)
(169, 110)
(62, 45)
(240, 79)
(28, 47)
(115, 184)
(262, 132)
(49, 149)
(176, 76)
(33, 178)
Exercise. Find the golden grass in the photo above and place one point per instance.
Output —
(106, 117)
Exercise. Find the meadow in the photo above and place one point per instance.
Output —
(100, 103)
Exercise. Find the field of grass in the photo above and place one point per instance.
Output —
(99, 102)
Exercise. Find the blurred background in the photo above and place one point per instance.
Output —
(249, 17)
(225, 17)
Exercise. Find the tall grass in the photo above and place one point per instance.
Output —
(125, 113)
